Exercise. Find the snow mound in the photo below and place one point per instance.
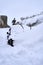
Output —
(28, 46)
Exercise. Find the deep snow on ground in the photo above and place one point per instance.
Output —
(28, 46)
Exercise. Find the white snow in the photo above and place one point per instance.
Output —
(28, 46)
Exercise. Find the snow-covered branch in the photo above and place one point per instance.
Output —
(33, 24)
(25, 18)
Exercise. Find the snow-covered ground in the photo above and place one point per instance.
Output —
(28, 46)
